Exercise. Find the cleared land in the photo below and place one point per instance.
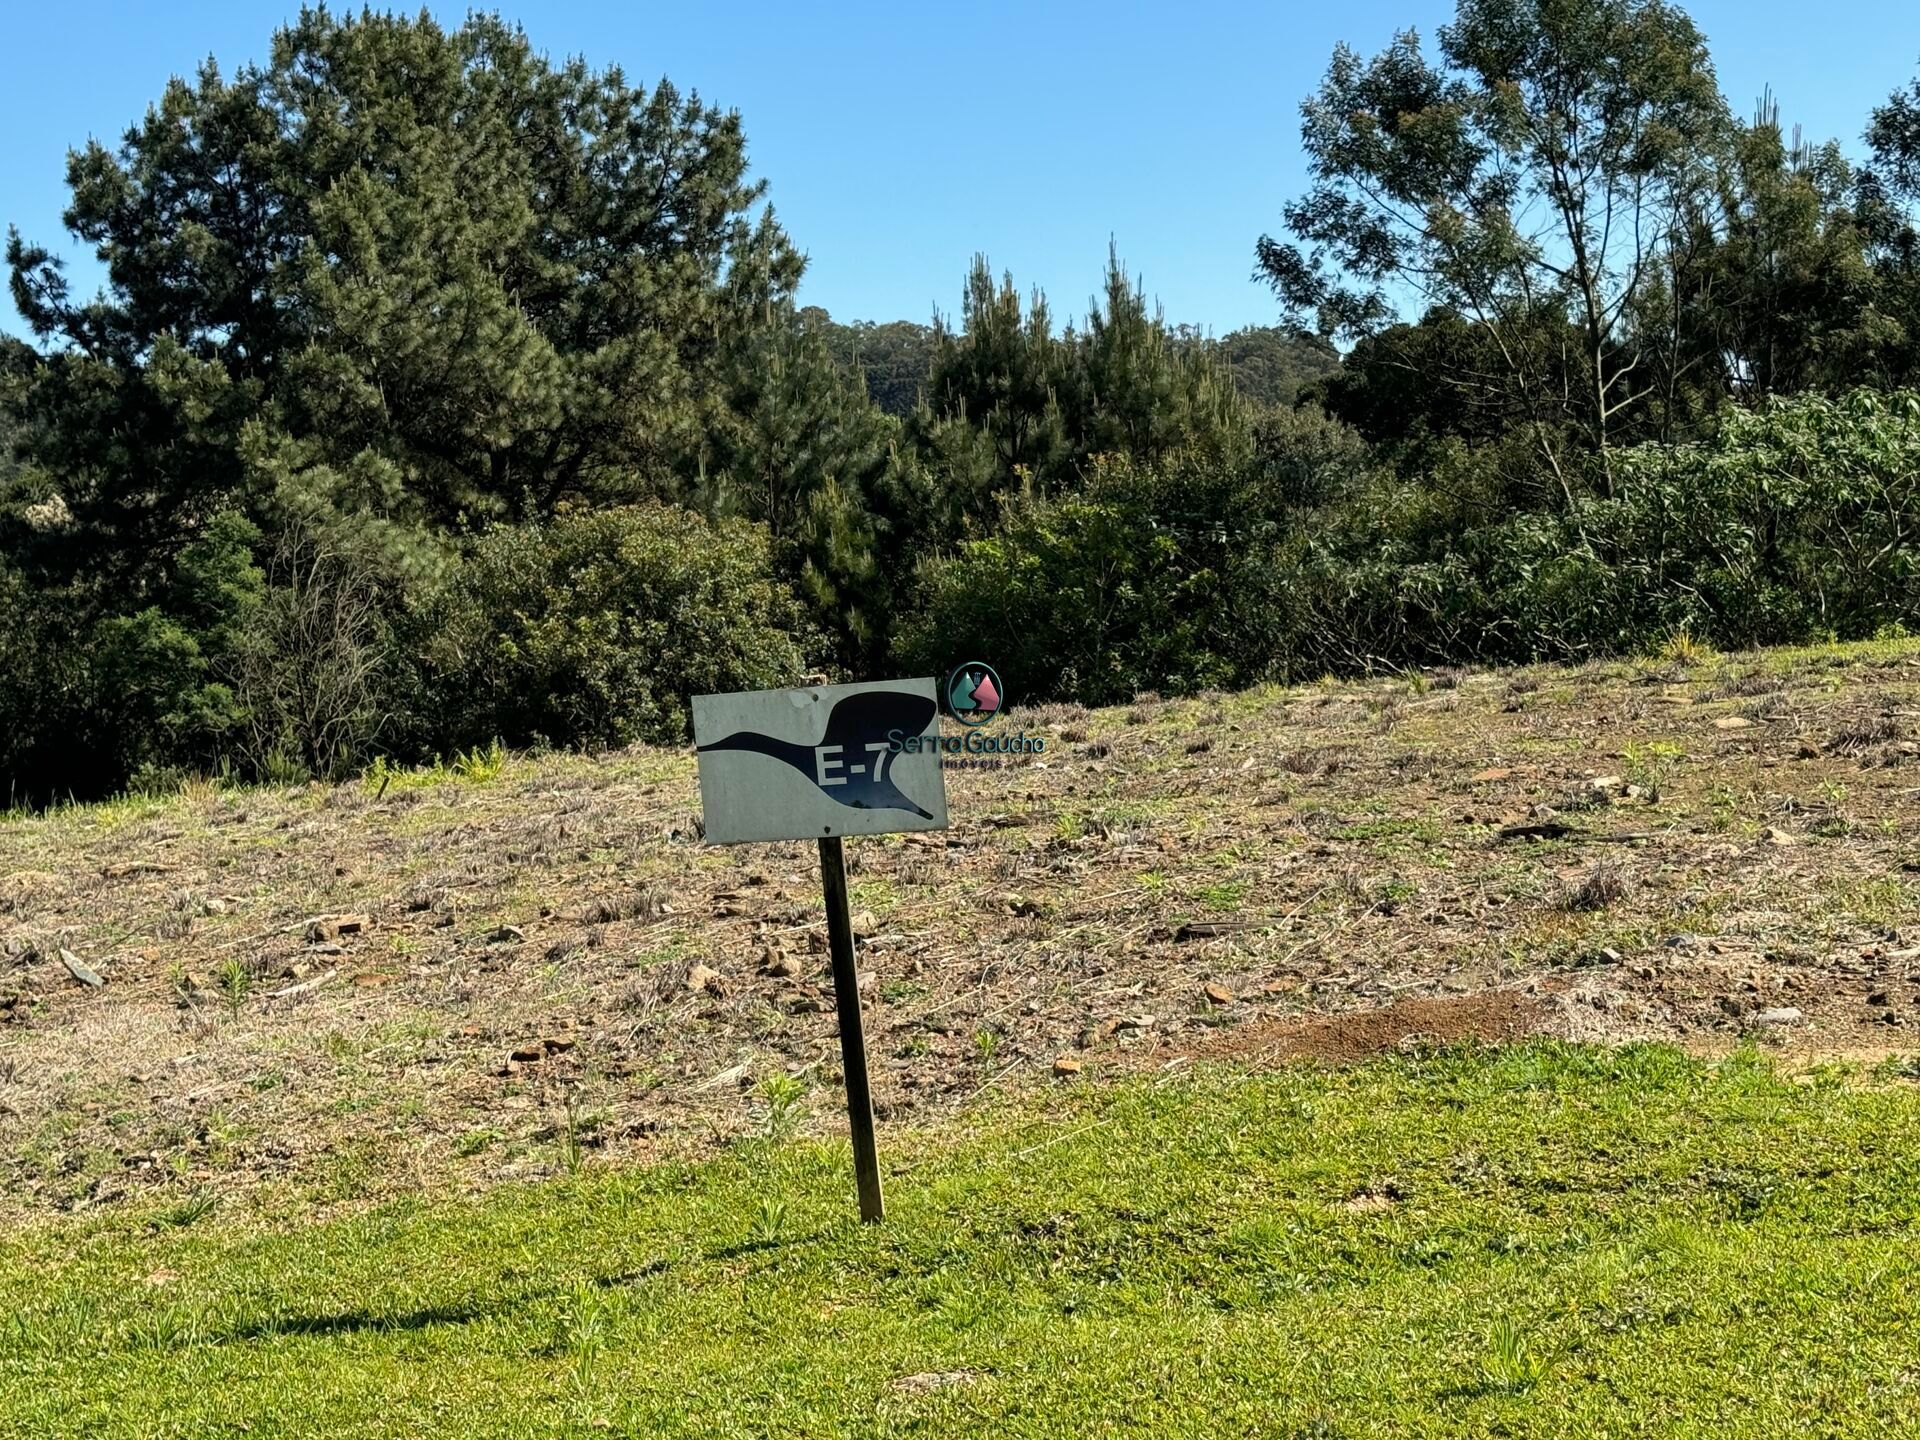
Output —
(465, 976)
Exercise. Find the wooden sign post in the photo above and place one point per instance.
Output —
(822, 763)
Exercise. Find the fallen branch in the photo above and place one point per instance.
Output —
(303, 987)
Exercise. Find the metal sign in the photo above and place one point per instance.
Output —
(818, 764)
(830, 760)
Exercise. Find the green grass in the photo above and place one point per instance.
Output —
(1535, 1242)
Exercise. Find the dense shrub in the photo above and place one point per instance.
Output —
(1796, 521)
(1140, 582)
(594, 629)
(94, 699)
(1070, 598)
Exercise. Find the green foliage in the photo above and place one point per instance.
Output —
(1162, 576)
(391, 283)
(423, 365)
(1512, 1365)
(1092, 596)
(806, 453)
(236, 983)
(481, 764)
(785, 1096)
(1795, 521)
(1013, 407)
(1525, 183)
(509, 279)
(594, 628)
(140, 694)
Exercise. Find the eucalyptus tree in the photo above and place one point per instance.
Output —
(1531, 179)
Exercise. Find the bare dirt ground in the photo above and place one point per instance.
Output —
(448, 979)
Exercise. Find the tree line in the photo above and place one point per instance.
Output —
(439, 394)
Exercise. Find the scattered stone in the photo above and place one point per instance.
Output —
(507, 935)
(1733, 722)
(136, 867)
(332, 927)
(1779, 1015)
(1498, 772)
(1547, 830)
(1134, 1022)
(1066, 1065)
(705, 977)
(559, 1044)
(1774, 835)
(783, 967)
(79, 971)
(1203, 930)
(1879, 997)
(1220, 995)
(1606, 784)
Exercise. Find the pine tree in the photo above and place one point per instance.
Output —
(396, 283)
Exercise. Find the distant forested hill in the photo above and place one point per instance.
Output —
(1269, 365)
(895, 357)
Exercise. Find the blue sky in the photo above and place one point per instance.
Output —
(901, 138)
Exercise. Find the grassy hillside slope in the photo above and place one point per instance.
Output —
(1532, 1242)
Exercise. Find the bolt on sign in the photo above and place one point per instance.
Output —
(822, 763)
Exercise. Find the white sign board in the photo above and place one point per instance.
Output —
(806, 764)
